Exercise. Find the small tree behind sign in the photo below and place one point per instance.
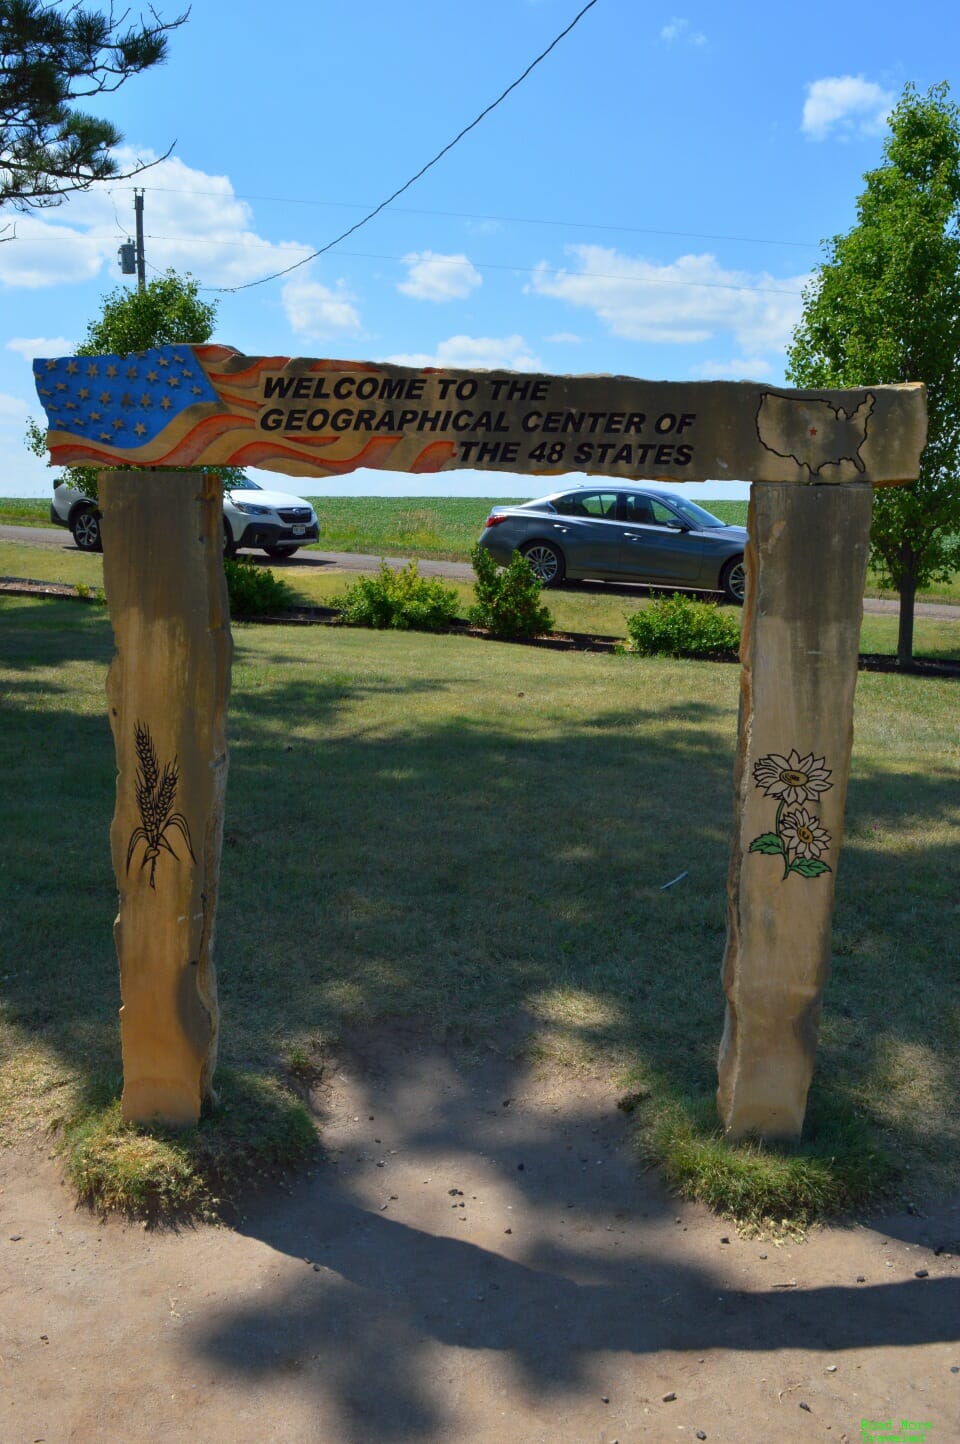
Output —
(885, 306)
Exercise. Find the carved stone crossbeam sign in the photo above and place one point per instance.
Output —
(211, 406)
(819, 454)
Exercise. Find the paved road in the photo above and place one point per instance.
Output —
(53, 538)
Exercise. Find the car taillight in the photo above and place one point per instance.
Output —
(495, 518)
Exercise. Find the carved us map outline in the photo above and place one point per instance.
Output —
(814, 433)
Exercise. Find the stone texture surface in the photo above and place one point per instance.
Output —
(316, 417)
(167, 691)
(807, 560)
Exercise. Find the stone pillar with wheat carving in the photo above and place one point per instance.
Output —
(167, 693)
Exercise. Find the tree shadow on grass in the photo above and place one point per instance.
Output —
(457, 865)
(454, 869)
(459, 869)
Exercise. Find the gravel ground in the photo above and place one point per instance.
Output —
(477, 1259)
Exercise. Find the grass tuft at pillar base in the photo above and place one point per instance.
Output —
(256, 1133)
(838, 1166)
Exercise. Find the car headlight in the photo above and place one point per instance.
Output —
(250, 510)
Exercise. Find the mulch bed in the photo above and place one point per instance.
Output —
(555, 641)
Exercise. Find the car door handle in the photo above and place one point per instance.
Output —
(634, 536)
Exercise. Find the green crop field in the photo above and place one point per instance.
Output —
(443, 527)
(436, 526)
(27, 511)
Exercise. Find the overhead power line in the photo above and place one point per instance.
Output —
(423, 169)
(540, 270)
(476, 216)
(517, 267)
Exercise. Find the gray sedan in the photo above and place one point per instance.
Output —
(621, 534)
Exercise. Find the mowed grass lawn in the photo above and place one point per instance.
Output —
(591, 608)
(476, 836)
(442, 528)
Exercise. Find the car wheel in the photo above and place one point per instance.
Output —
(733, 581)
(229, 545)
(280, 551)
(85, 526)
(546, 563)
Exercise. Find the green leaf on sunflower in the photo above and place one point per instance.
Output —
(769, 842)
(809, 867)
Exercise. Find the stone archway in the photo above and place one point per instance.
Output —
(814, 458)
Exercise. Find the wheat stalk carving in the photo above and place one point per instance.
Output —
(156, 794)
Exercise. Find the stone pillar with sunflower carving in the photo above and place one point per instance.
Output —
(806, 566)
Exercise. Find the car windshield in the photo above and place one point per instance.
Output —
(695, 515)
(243, 483)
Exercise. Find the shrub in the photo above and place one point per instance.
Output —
(254, 591)
(508, 598)
(401, 599)
(680, 626)
(90, 594)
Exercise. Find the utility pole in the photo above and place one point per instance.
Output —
(131, 255)
(141, 259)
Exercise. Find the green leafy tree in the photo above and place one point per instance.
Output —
(885, 307)
(51, 55)
(167, 312)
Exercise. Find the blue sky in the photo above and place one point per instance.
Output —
(650, 201)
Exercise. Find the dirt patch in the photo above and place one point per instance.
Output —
(25, 587)
(478, 1259)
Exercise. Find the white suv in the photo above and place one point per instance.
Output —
(272, 520)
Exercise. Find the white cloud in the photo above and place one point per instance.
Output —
(434, 277)
(45, 253)
(30, 346)
(485, 226)
(685, 302)
(750, 368)
(679, 29)
(845, 105)
(318, 311)
(192, 222)
(564, 338)
(492, 353)
(12, 409)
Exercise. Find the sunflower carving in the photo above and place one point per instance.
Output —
(797, 836)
